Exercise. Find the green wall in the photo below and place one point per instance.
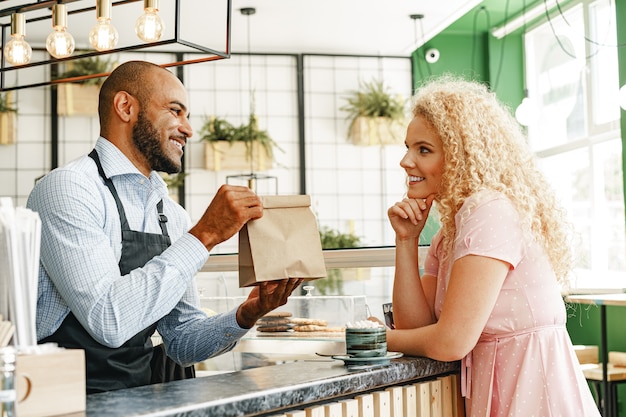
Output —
(497, 62)
(455, 57)
(583, 325)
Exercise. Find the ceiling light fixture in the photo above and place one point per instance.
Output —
(149, 26)
(252, 177)
(103, 36)
(249, 11)
(419, 43)
(179, 42)
(526, 113)
(17, 51)
(60, 43)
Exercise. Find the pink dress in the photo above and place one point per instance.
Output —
(524, 364)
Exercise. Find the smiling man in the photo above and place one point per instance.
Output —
(118, 256)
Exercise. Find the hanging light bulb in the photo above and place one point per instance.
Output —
(526, 112)
(60, 43)
(17, 51)
(149, 26)
(103, 35)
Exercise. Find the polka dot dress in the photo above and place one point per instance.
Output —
(524, 364)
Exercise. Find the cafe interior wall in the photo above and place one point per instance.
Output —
(351, 186)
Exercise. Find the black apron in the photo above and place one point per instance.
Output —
(136, 362)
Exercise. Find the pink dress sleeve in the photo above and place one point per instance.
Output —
(489, 228)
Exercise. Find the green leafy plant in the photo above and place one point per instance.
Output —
(5, 105)
(333, 239)
(174, 181)
(373, 99)
(377, 117)
(88, 66)
(219, 129)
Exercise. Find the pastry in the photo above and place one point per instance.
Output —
(270, 329)
(299, 321)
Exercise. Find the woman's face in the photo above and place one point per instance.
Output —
(423, 161)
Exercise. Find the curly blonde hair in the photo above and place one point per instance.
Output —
(485, 149)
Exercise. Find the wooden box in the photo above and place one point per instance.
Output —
(370, 131)
(7, 128)
(50, 384)
(224, 155)
(77, 99)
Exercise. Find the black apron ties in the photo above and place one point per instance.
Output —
(136, 362)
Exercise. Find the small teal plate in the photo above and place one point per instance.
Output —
(376, 360)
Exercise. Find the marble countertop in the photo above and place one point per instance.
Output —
(259, 390)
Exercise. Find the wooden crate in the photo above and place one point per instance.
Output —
(225, 156)
(77, 99)
(371, 131)
(8, 122)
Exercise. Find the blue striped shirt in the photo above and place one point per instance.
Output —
(81, 246)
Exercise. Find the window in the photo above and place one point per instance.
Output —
(572, 77)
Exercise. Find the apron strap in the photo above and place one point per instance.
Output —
(162, 218)
(120, 208)
(107, 181)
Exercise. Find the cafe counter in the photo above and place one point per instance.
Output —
(266, 391)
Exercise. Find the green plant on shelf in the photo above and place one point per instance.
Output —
(334, 239)
(88, 66)
(373, 100)
(6, 106)
(8, 115)
(173, 181)
(218, 129)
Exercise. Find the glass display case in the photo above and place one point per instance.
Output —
(335, 310)
(367, 276)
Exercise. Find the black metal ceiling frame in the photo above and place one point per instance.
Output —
(29, 7)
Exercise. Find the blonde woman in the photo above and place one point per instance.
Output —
(490, 292)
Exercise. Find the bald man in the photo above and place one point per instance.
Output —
(118, 256)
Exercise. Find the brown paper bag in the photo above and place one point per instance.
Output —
(284, 243)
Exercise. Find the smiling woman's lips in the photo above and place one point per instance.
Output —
(413, 178)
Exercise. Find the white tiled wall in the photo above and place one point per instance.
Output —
(351, 186)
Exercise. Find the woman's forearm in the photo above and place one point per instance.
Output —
(411, 307)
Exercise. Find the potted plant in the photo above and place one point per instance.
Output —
(81, 97)
(236, 147)
(376, 116)
(8, 113)
(173, 182)
(334, 239)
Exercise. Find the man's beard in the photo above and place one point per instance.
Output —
(146, 139)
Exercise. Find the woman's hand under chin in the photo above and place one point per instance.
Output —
(408, 217)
